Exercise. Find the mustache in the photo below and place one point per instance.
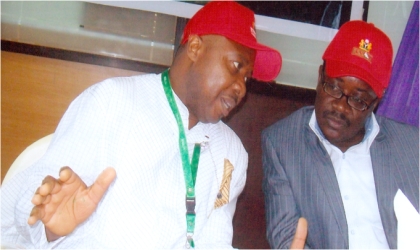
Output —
(336, 115)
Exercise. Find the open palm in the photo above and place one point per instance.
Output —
(63, 203)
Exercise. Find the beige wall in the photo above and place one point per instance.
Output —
(391, 17)
(90, 28)
(35, 92)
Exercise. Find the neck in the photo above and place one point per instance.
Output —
(180, 91)
(192, 122)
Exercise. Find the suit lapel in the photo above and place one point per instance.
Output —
(328, 182)
(385, 186)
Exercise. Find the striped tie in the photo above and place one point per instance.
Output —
(225, 185)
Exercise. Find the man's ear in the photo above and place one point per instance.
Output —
(375, 104)
(320, 72)
(194, 45)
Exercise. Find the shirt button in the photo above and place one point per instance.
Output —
(346, 197)
(352, 232)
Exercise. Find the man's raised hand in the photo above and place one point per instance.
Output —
(63, 203)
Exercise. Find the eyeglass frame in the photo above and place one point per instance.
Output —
(367, 106)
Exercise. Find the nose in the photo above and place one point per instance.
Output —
(340, 104)
(240, 87)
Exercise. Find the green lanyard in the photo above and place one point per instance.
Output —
(190, 169)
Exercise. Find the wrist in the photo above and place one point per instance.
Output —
(51, 236)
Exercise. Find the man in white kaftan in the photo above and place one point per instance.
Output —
(127, 123)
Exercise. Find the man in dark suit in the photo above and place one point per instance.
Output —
(337, 164)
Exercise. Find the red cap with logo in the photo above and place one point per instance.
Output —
(361, 50)
(236, 22)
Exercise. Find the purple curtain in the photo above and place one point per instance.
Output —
(401, 100)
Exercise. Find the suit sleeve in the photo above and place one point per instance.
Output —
(280, 206)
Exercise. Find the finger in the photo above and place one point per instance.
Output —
(35, 198)
(47, 200)
(67, 174)
(101, 184)
(300, 235)
(47, 185)
(36, 214)
(44, 190)
(38, 199)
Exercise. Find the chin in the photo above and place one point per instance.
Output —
(331, 134)
(214, 121)
(210, 120)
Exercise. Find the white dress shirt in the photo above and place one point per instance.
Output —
(353, 169)
(127, 123)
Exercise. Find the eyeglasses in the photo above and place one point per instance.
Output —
(353, 101)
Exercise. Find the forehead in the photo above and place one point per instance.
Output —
(351, 83)
(224, 44)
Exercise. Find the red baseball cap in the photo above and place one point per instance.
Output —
(236, 22)
(361, 50)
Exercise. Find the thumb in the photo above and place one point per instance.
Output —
(101, 185)
(300, 235)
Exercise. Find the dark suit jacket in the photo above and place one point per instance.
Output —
(299, 180)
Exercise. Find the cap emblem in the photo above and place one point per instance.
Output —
(364, 50)
(365, 45)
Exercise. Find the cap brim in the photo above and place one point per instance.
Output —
(336, 68)
(268, 61)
